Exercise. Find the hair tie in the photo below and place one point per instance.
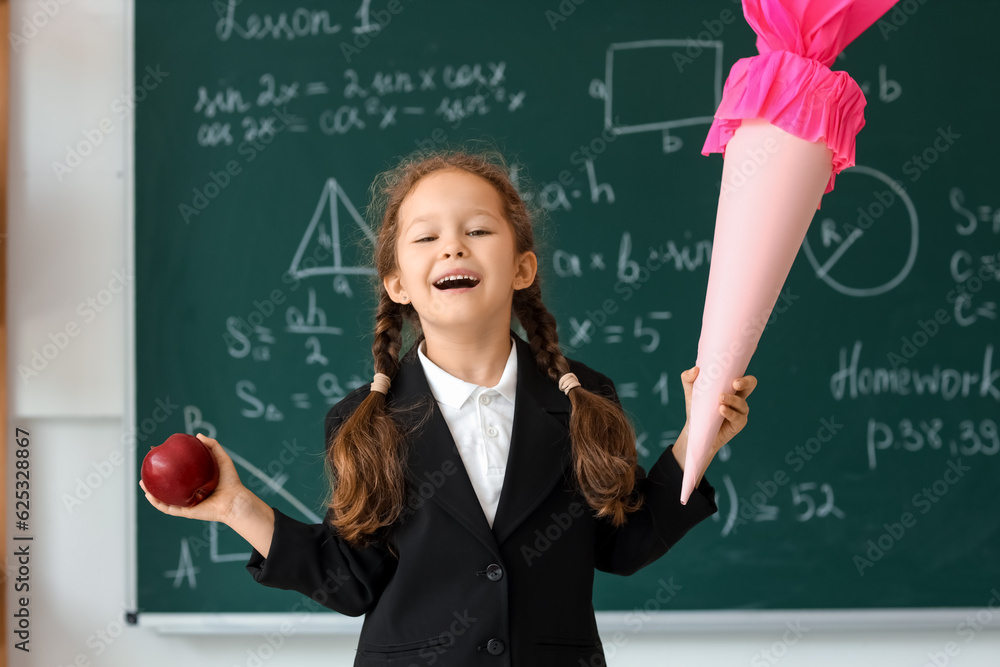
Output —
(567, 382)
(381, 383)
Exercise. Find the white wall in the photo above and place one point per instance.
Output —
(67, 243)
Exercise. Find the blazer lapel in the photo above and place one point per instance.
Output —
(539, 444)
(538, 457)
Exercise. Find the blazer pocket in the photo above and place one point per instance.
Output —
(564, 643)
(437, 644)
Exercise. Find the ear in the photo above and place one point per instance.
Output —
(527, 267)
(395, 288)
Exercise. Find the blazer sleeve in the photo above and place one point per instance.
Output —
(313, 560)
(660, 523)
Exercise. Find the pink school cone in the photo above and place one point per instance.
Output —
(787, 125)
(761, 221)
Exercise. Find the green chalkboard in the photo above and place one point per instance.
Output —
(867, 476)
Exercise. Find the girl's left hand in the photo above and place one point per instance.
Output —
(733, 407)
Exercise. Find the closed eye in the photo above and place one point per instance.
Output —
(474, 231)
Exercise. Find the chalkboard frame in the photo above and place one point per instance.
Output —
(195, 623)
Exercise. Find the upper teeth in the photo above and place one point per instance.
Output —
(446, 278)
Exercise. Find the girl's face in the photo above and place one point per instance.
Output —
(452, 223)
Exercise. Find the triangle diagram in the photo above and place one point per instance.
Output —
(325, 248)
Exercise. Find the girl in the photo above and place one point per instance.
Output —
(481, 478)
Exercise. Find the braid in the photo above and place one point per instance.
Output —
(603, 440)
(388, 335)
(365, 461)
(540, 325)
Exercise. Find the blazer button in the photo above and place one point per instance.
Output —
(494, 572)
(494, 646)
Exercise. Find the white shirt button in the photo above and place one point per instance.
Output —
(484, 399)
(492, 432)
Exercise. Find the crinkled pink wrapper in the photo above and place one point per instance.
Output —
(798, 95)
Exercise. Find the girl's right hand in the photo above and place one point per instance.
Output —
(222, 503)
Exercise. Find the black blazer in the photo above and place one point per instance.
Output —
(461, 593)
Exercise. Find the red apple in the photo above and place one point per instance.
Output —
(181, 471)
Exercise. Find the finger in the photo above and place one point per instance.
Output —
(212, 445)
(217, 450)
(728, 412)
(154, 501)
(745, 385)
(736, 402)
(158, 504)
(687, 384)
(210, 442)
(735, 418)
(688, 378)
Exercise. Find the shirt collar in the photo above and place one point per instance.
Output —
(454, 391)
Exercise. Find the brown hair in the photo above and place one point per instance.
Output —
(365, 462)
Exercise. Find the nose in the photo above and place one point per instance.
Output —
(455, 246)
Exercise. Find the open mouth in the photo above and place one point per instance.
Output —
(456, 283)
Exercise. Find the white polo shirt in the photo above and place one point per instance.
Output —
(480, 420)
